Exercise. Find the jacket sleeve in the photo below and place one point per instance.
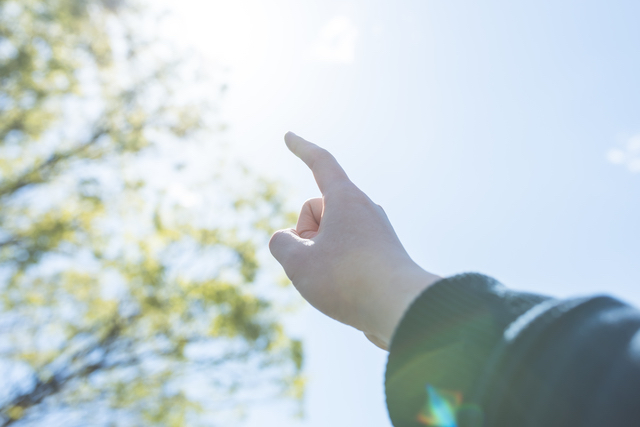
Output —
(469, 352)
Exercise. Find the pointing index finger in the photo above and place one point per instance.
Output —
(326, 169)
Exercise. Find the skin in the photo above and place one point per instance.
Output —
(343, 256)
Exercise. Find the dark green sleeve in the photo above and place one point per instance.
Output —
(471, 353)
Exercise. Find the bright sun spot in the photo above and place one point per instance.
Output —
(239, 34)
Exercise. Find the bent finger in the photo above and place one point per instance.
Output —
(284, 245)
(309, 219)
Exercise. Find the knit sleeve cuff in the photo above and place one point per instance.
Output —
(442, 344)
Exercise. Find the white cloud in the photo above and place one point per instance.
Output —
(616, 156)
(629, 156)
(336, 42)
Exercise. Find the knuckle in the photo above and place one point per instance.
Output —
(275, 238)
(283, 247)
(310, 205)
(312, 201)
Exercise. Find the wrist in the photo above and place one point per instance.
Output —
(392, 298)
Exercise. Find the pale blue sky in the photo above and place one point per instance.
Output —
(497, 135)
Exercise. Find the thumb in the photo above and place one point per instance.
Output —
(285, 246)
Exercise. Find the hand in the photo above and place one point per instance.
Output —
(344, 256)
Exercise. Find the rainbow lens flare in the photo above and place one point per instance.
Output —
(440, 408)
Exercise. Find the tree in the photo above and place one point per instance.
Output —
(126, 296)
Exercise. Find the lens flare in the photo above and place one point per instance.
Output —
(440, 408)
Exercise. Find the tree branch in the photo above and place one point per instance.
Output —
(56, 382)
(40, 173)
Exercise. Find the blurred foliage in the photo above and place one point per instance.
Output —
(125, 298)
